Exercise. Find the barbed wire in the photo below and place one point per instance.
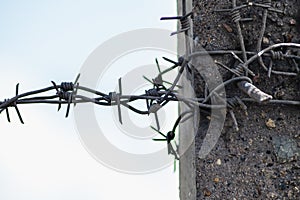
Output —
(66, 93)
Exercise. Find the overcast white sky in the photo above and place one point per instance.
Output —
(50, 40)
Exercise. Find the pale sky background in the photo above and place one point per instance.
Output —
(48, 40)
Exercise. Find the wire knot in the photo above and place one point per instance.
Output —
(10, 104)
(236, 102)
(185, 23)
(67, 86)
(152, 92)
(64, 95)
(277, 55)
(239, 69)
(235, 15)
(113, 96)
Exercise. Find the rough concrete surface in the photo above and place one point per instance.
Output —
(261, 159)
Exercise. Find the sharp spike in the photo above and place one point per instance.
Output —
(19, 114)
(171, 61)
(17, 89)
(176, 123)
(147, 102)
(69, 104)
(157, 64)
(59, 105)
(77, 78)
(159, 140)
(236, 57)
(55, 86)
(7, 114)
(120, 86)
(170, 18)
(118, 100)
(76, 86)
(75, 93)
(180, 31)
(147, 79)
(119, 110)
(158, 132)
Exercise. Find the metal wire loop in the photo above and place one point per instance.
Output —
(239, 69)
(236, 102)
(185, 23)
(67, 86)
(235, 15)
(277, 55)
(64, 95)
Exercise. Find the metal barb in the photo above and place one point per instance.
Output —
(75, 90)
(7, 114)
(118, 101)
(184, 21)
(57, 92)
(158, 96)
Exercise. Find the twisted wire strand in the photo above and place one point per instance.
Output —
(235, 15)
(157, 95)
(184, 22)
(276, 55)
(236, 19)
(66, 93)
(160, 95)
